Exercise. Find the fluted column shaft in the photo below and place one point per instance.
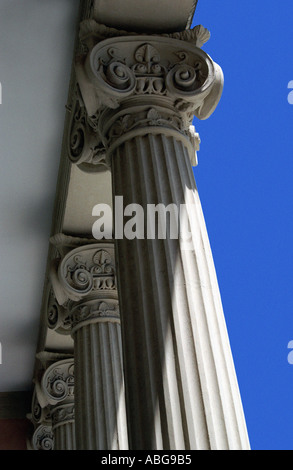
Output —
(100, 408)
(177, 354)
(64, 435)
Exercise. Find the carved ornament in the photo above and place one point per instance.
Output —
(94, 311)
(130, 85)
(43, 438)
(58, 382)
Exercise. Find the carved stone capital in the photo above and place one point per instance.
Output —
(94, 311)
(53, 399)
(84, 281)
(43, 438)
(85, 270)
(138, 66)
(132, 84)
(58, 382)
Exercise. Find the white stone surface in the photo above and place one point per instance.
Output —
(144, 15)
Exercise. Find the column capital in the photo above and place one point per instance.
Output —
(58, 382)
(83, 271)
(135, 66)
(84, 282)
(43, 438)
(94, 311)
(133, 84)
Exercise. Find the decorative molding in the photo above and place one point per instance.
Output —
(63, 414)
(83, 283)
(94, 311)
(125, 67)
(92, 32)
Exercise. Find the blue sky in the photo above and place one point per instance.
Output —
(245, 182)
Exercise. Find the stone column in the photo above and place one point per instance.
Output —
(42, 437)
(58, 391)
(141, 94)
(84, 280)
(53, 400)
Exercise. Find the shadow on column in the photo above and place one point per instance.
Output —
(181, 391)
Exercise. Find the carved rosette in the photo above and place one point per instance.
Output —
(132, 83)
(58, 382)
